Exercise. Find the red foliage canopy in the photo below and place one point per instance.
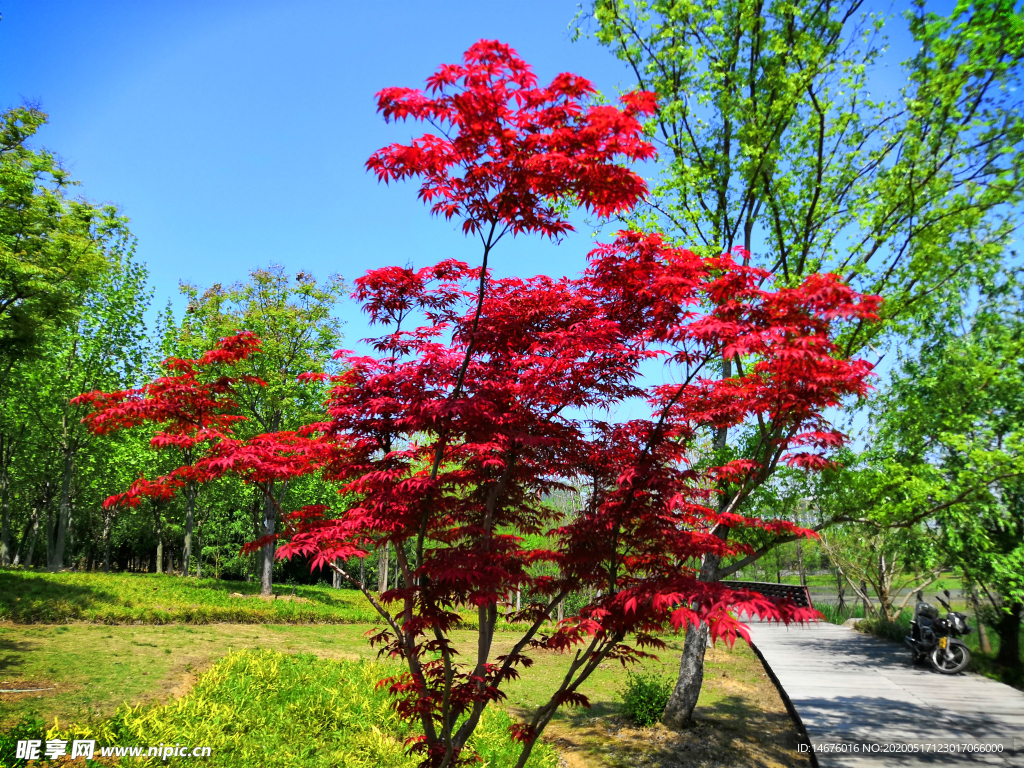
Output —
(194, 403)
(508, 150)
(451, 443)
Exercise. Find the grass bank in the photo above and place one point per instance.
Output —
(34, 597)
(40, 597)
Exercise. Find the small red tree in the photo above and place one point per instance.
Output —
(453, 437)
(195, 404)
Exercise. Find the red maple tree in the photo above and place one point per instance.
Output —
(194, 403)
(452, 440)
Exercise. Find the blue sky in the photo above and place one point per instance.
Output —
(234, 134)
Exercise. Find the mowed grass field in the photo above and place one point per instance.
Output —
(127, 677)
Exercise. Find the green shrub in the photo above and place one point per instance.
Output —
(645, 696)
(889, 630)
(30, 727)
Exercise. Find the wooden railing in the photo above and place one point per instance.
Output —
(795, 592)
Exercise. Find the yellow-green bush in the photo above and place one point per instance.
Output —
(263, 708)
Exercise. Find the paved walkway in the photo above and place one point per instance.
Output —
(853, 691)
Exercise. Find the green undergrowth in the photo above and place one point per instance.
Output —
(262, 707)
(645, 696)
(982, 663)
(833, 615)
(39, 597)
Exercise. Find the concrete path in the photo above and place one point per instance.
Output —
(859, 696)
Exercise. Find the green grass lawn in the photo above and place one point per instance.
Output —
(95, 674)
(264, 707)
(91, 670)
(28, 597)
(828, 581)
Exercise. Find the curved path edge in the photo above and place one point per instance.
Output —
(802, 735)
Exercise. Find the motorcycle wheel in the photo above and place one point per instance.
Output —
(951, 660)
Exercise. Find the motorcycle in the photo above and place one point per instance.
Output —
(934, 638)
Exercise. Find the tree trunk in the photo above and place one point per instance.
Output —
(267, 550)
(5, 524)
(362, 572)
(841, 591)
(800, 564)
(885, 572)
(335, 576)
(106, 540)
(5, 502)
(983, 642)
(678, 712)
(191, 491)
(382, 569)
(29, 540)
(56, 560)
(199, 555)
(49, 531)
(1007, 627)
(70, 547)
(679, 709)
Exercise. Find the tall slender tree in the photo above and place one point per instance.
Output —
(104, 347)
(51, 247)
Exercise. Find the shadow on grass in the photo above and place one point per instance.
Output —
(12, 658)
(27, 599)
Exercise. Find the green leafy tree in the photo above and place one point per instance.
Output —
(770, 139)
(887, 564)
(51, 248)
(299, 332)
(954, 418)
(105, 346)
(54, 253)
